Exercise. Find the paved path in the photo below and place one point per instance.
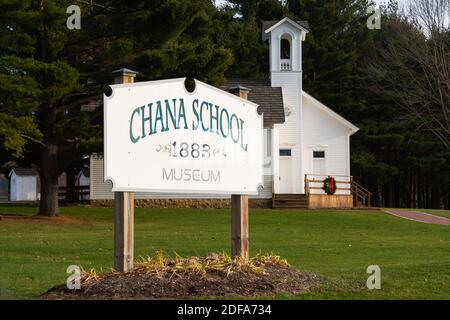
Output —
(419, 216)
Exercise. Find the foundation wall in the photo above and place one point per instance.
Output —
(324, 201)
(185, 203)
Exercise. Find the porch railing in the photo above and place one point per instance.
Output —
(344, 186)
(314, 184)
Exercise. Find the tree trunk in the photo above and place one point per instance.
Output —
(49, 205)
(71, 193)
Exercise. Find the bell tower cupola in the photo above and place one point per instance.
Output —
(285, 42)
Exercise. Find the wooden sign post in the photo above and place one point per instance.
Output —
(239, 208)
(124, 208)
(123, 231)
(239, 226)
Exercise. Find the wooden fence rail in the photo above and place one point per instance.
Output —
(78, 193)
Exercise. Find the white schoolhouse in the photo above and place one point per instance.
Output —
(305, 141)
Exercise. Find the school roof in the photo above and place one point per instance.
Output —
(269, 99)
(24, 172)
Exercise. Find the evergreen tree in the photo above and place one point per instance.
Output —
(338, 38)
(394, 154)
(241, 23)
(50, 72)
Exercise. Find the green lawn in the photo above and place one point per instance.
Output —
(336, 245)
(442, 213)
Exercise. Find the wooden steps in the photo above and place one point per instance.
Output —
(361, 196)
(289, 201)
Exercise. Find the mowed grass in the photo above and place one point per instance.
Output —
(442, 213)
(336, 245)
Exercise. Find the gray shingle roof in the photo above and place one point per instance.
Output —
(269, 99)
(268, 23)
(25, 171)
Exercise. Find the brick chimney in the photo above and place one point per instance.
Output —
(240, 91)
(124, 75)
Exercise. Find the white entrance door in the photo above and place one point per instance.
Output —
(286, 178)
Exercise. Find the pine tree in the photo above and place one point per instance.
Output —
(241, 25)
(49, 72)
(395, 153)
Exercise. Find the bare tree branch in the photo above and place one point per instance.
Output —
(414, 64)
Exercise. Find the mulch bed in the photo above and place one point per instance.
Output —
(191, 278)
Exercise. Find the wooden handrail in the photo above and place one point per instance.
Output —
(358, 192)
(337, 188)
(326, 175)
(361, 187)
(321, 181)
(307, 190)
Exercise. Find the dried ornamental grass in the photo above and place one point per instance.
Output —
(217, 274)
(160, 266)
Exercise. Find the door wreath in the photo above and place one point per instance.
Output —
(329, 185)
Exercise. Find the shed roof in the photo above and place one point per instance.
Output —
(269, 99)
(85, 172)
(24, 172)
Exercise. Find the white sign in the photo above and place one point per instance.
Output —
(161, 138)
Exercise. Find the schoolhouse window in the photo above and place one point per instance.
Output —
(285, 152)
(318, 154)
(285, 49)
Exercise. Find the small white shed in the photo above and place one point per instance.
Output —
(83, 177)
(23, 184)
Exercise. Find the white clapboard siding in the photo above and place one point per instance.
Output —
(290, 132)
(323, 133)
(100, 190)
